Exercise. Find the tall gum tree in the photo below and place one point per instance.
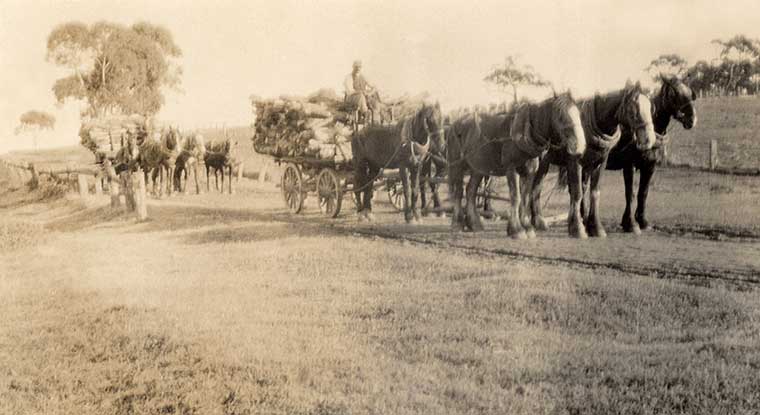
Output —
(115, 68)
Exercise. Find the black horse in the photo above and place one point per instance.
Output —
(602, 117)
(674, 100)
(402, 146)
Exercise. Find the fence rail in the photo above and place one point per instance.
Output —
(130, 186)
(725, 158)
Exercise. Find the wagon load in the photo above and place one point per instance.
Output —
(104, 135)
(315, 127)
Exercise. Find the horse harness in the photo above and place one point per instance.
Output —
(595, 137)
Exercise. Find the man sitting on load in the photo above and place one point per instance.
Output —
(357, 89)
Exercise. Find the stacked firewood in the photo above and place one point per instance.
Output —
(314, 127)
(104, 136)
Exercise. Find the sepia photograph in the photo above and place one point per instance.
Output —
(368, 207)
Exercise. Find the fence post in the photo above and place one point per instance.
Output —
(35, 176)
(98, 184)
(713, 154)
(138, 187)
(263, 171)
(84, 191)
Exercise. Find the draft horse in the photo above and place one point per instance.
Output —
(404, 146)
(192, 151)
(602, 116)
(675, 100)
(509, 144)
(158, 158)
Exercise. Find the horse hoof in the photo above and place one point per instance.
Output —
(579, 233)
(598, 233)
(360, 217)
(531, 234)
(457, 227)
(636, 230)
(370, 217)
(540, 224)
(519, 235)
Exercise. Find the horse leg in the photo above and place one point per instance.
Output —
(369, 192)
(440, 171)
(404, 173)
(415, 189)
(645, 176)
(472, 217)
(537, 218)
(359, 180)
(208, 178)
(575, 225)
(514, 226)
(527, 174)
(456, 179)
(230, 180)
(195, 177)
(424, 173)
(627, 223)
(593, 223)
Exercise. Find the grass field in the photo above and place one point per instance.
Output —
(733, 121)
(224, 304)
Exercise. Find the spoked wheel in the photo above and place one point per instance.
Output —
(395, 193)
(329, 193)
(292, 188)
(483, 193)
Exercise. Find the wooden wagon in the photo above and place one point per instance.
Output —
(330, 182)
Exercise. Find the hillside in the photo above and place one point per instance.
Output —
(733, 121)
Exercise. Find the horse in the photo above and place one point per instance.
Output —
(602, 117)
(674, 100)
(509, 144)
(426, 175)
(191, 152)
(221, 156)
(402, 146)
(159, 157)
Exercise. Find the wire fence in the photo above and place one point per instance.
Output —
(727, 157)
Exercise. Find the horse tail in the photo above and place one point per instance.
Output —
(562, 180)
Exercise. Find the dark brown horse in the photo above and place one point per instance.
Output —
(159, 158)
(603, 117)
(508, 145)
(221, 157)
(674, 100)
(191, 153)
(402, 146)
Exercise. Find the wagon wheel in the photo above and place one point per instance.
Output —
(484, 189)
(292, 188)
(395, 193)
(329, 192)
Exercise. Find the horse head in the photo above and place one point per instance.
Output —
(170, 139)
(566, 121)
(635, 113)
(677, 100)
(432, 124)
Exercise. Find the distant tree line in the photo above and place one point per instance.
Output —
(736, 71)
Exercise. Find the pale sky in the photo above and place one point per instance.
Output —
(233, 49)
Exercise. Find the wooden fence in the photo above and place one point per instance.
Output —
(130, 186)
(725, 158)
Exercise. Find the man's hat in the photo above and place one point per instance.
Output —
(357, 64)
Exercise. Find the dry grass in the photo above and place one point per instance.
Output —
(268, 317)
(733, 121)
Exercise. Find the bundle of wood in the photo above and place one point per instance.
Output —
(104, 136)
(316, 126)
